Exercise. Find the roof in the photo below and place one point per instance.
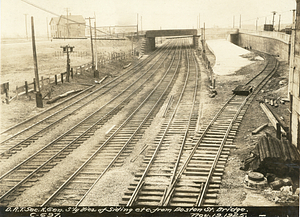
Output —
(73, 18)
(54, 20)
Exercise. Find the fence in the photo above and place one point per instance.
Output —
(102, 59)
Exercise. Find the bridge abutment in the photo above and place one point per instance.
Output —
(150, 44)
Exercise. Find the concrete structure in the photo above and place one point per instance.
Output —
(275, 43)
(286, 47)
(71, 26)
(294, 81)
(152, 34)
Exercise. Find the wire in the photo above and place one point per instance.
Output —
(48, 11)
(270, 15)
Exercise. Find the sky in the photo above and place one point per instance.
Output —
(151, 14)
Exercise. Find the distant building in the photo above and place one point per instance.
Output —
(53, 27)
(294, 82)
(71, 26)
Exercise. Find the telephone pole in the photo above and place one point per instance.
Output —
(38, 96)
(96, 73)
(274, 12)
(93, 65)
(137, 26)
(26, 25)
(233, 22)
(67, 10)
(279, 23)
(47, 28)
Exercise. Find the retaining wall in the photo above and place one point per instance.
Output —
(278, 46)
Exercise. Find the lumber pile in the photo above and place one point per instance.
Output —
(271, 155)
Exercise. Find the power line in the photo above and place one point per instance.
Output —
(68, 19)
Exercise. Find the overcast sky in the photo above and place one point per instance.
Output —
(154, 14)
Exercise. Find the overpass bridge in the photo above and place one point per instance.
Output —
(152, 34)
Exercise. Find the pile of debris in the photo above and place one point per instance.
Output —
(271, 155)
(278, 162)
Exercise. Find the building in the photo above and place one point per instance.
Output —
(53, 27)
(294, 81)
(67, 26)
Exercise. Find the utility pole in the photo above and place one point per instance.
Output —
(233, 22)
(203, 38)
(141, 24)
(274, 12)
(47, 28)
(93, 65)
(39, 99)
(199, 21)
(68, 49)
(26, 25)
(279, 23)
(137, 26)
(67, 10)
(240, 21)
(256, 23)
(96, 74)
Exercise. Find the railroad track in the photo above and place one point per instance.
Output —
(162, 159)
(15, 181)
(195, 177)
(32, 129)
(117, 146)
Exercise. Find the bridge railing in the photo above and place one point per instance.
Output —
(277, 35)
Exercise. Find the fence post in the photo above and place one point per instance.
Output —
(62, 77)
(72, 73)
(42, 77)
(6, 89)
(55, 79)
(26, 87)
(34, 85)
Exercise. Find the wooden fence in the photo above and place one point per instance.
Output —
(103, 58)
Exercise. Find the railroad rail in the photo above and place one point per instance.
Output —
(195, 177)
(32, 129)
(18, 179)
(199, 178)
(117, 145)
(162, 160)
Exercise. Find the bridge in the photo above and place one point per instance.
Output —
(152, 34)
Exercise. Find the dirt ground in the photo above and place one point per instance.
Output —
(17, 57)
(232, 192)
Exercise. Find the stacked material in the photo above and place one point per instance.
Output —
(271, 155)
